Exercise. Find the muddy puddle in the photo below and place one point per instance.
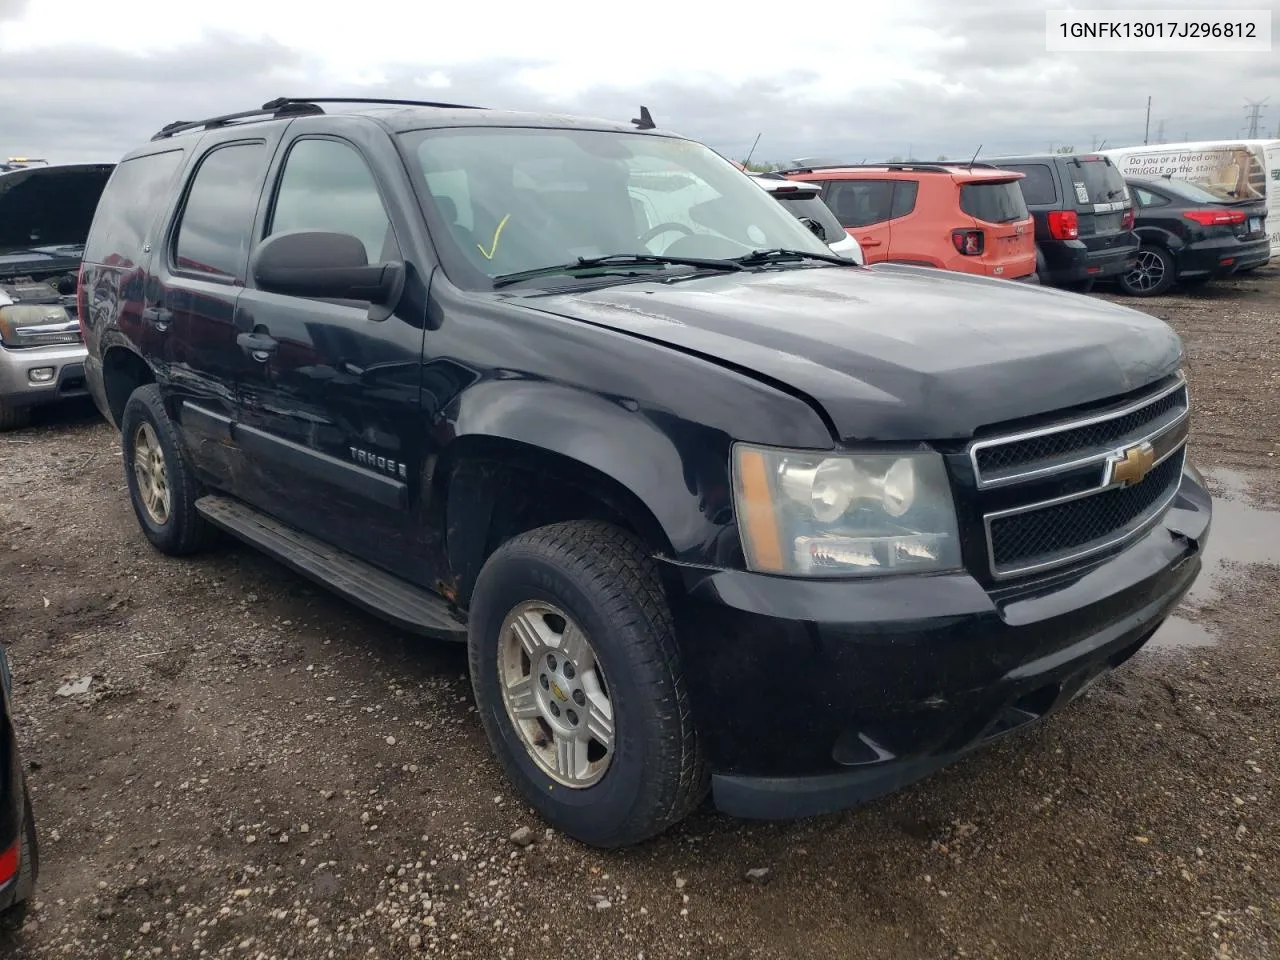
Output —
(1241, 533)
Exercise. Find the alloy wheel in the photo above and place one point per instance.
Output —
(151, 473)
(1147, 273)
(555, 693)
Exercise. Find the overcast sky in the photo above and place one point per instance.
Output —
(82, 81)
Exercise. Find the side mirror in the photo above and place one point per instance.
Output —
(327, 266)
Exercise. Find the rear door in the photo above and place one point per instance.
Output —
(1098, 194)
(1000, 212)
(329, 398)
(196, 278)
(865, 209)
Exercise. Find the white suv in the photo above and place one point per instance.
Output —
(809, 208)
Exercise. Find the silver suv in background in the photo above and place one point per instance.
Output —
(45, 212)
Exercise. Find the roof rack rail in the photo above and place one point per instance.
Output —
(268, 111)
(291, 107)
(382, 100)
(919, 167)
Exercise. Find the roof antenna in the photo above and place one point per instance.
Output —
(746, 164)
(645, 122)
(975, 157)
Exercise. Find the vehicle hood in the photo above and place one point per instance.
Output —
(895, 352)
(45, 212)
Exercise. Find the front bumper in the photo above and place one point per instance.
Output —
(816, 696)
(67, 383)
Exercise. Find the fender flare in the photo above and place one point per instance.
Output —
(668, 477)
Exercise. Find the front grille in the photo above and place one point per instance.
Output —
(1100, 436)
(1062, 493)
(1063, 531)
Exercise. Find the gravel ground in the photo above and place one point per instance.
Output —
(258, 770)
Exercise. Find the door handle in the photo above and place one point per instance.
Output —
(260, 346)
(159, 316)
(868, 242)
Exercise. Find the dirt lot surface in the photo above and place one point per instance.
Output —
(258, 770)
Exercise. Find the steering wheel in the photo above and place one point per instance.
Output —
(661, 228)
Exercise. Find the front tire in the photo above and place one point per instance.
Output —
(14, 418)
(162, 483)
(579, 686)
(1153, 273)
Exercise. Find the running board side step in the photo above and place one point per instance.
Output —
(402, 604)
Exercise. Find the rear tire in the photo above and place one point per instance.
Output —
(14, 418)
(1153, 273)
(585, 585)
(162, 483)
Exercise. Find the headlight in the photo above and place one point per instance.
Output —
(809, 514)
(37, 325)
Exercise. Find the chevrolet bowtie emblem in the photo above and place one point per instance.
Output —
(1131, 465)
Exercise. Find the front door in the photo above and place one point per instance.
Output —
(329, 398)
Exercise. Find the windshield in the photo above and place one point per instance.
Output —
(994, 202)
(809, 206)
(509, 200)
(1102, 181)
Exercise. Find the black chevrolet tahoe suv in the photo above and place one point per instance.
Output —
(1083, 214)
(712, 509)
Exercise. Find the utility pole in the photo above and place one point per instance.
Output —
(1255, 113)
(1146, 136)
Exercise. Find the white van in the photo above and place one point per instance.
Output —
(1230, 169)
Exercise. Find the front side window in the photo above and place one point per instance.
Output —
(516, 199)
(326, 185)
(217, 219)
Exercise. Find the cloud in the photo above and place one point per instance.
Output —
(933, 78)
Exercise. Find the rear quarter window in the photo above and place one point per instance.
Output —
(1037, 186)
(994, 202)
(127, 210)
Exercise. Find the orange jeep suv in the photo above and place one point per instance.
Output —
(953, 216)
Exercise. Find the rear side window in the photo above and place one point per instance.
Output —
(1102, 182)
(1038, 185)
(860, 203)
(993, 202)
(213, 236)
(904, 197)
(128, 207)
(813, 208)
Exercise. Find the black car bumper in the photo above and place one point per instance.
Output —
(1221, 257)
(812, 697)
(1074, 261)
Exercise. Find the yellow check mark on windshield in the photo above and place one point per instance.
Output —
(493, 247)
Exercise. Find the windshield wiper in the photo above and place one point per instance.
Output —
(784, 255)
(614, 260)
